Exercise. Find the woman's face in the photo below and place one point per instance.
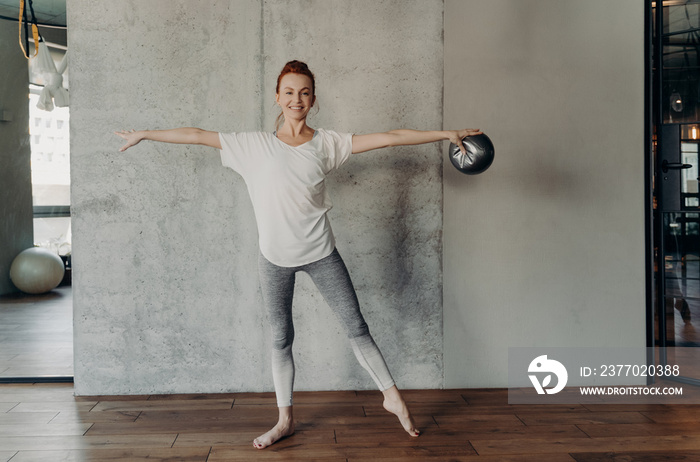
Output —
(295, 96)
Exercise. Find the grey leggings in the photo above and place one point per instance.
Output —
(333, 281)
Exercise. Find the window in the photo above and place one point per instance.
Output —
(50, 175)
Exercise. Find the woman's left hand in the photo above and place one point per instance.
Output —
(457, 136)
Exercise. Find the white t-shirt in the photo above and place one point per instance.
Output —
(287, 187)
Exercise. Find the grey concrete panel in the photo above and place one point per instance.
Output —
(164, 244)
(546, 248)
(164, 239)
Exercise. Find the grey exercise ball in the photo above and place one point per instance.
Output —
(479, 157)
(37, 270)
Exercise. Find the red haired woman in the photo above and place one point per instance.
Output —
(285, 172)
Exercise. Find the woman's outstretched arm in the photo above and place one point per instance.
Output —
(364, 143)
(186, 135)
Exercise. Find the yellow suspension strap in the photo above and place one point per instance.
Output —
(35, 29)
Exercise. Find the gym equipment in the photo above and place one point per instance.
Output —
(37, 270)
(53, 92)
(480, 154)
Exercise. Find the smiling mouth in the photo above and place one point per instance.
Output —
(296, 108)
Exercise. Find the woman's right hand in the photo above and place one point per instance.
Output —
(132, 138)
(183, 135)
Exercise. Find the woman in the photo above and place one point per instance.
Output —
(285, 172)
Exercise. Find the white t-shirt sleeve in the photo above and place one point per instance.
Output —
(338, 147)
(235, 151)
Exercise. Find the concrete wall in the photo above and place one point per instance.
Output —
(164, 241)
(545, 248)
(16, 214)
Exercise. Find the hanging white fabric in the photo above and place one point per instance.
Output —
(53, 92)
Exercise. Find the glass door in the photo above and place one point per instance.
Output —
(675, 112)
(680, 218)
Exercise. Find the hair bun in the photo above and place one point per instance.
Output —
(296, 67)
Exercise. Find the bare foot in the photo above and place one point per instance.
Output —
(397, 406)
(283, 429)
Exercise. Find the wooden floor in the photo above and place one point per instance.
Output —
(44, 422)
(36, 334)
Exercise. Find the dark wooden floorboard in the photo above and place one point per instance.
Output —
(44, 422)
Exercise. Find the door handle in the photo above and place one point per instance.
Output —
(666, 166)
